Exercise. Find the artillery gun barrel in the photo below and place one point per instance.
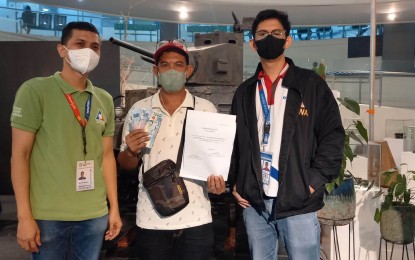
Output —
(132, 47)
(147, 59)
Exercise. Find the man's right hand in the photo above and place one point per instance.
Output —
(241, 201)
(136, 140)
(28, 235)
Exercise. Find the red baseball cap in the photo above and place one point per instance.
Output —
(173, 45)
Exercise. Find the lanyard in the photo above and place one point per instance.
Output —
(264, 103)
(78, 117)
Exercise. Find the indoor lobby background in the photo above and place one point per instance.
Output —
(344, 48)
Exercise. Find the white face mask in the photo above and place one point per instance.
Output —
(83, 60)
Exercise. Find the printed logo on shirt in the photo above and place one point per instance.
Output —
(17, 111)
(100, 118)
(303, 110)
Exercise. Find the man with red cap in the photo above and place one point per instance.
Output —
(187, 234)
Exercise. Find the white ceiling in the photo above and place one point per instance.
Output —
(301, 12)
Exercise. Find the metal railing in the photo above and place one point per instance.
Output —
(50, 23)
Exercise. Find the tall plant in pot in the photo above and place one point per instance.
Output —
(353, 131)
(396, 214)
(340, 200)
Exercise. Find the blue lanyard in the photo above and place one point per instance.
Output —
(264, 104)
(266, 111)
(88, 107)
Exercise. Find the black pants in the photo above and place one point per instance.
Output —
(185, 244)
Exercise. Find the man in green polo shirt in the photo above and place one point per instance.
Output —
(62, 128)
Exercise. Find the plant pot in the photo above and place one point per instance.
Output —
(339, 206)
(397, 224)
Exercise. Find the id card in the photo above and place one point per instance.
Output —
(266, 164)
(85, 175)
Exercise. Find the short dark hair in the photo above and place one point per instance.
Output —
(67, 31)
(272, 14)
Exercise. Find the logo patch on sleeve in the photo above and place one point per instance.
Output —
(17, 111)
(100, 118)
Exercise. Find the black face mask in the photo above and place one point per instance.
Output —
(270, 47)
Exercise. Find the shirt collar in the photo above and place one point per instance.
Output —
(67, 88)
(262, 74)
(187, 102)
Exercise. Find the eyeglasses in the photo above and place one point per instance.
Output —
(177, 42)
(278, 33)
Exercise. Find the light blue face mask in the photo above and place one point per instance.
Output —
(172, 80)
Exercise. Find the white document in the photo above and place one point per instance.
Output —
(208, 145)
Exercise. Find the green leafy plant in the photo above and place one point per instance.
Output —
(351, 134)
(399, 193)
(350, 131)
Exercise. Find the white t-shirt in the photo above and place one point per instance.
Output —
(273, 147)
(166, 146)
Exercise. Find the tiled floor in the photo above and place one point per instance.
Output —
(11, 251)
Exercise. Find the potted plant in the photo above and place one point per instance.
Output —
(352, 132)
(396, 214)
(357, 125)
(340, 200)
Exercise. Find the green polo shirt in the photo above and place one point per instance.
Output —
(41, 108)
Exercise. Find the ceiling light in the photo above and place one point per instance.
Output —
(391, 17)
(183, 15)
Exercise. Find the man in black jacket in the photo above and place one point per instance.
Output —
(288, 118)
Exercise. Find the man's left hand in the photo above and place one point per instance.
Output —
(216, 184)
(115, 225)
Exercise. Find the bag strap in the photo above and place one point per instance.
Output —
(180, 152)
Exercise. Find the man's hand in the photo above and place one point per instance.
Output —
(28, 235)
(216, 184)
(136, 140)
(115, 224)
(241, 201)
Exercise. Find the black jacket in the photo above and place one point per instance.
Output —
(311, 146)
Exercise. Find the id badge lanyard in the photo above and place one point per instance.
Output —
(266, 104)
(82, 122)
(266, 111)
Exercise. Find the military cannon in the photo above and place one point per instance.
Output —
(217, 58)
(148, 55)
(218, 68)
